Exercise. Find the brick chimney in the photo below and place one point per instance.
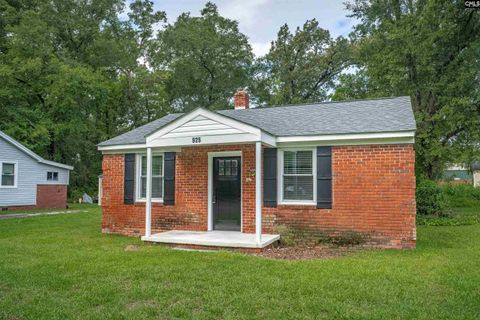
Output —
(241, 100)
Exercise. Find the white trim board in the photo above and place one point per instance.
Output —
(212, 155)
(403, 137)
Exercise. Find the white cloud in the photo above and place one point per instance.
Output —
(260, 48)
(245, 11)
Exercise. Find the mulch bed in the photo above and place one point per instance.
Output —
(306, 252)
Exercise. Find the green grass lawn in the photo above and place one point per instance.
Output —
(62, 267)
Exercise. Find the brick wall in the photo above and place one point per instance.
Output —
(17, 208)
(373, 194)
(51, 196)
(190, 211)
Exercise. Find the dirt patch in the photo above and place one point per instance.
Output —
(132, 247)
(139, 304)
(306, 252)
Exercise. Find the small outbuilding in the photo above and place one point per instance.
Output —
(28, 181)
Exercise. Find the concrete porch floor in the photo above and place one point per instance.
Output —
(228, 239)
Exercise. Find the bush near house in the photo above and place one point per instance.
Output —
(431, 200)
(447, 205)
(461, 195)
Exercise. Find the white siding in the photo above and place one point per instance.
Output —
(30, 173)
(201, 126)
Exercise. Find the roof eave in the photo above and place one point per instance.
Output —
(33, 154)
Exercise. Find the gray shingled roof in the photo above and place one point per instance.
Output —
(360, 116)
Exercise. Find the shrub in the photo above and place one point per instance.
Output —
(448, 221)
(462, 195)
(430, 198)
(295, 237)
(345, 238)
(287, 235)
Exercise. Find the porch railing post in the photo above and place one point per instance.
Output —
(148, 204)
(258, 191)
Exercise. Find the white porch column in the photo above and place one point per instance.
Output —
(258, 191)
(148, 204)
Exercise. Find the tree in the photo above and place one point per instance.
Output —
(207, 58)
(430, 51)
(357, 85)
(301, 66)
(73, 74)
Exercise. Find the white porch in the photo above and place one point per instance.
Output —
(228, 239)
(203, 127)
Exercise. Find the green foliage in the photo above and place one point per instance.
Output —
(358, 85)
(430, 198)
(71, 77)
(414, 48)
(288, 236)
(345, 238)
(208, 58)
(462, 195)
(448, 205)
(448, 220)
(456, 216)
(300, 66)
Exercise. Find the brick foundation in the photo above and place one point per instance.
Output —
(51, 196)
(373, 194)
(17, 208)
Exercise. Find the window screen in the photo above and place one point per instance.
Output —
(298, 175)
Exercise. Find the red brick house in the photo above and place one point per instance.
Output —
(230, 178)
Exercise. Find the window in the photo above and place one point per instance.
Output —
(298, 176)
(157, 177)
(52, 176)
(227, 167)
(9, 175)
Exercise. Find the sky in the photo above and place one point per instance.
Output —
(260, 20)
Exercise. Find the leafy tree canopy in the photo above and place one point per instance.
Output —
(301, 66)
(430, 51)
(208, 59)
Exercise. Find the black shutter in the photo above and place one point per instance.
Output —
(270, 177)
(324, 177)
(169, 179)
(129, 179)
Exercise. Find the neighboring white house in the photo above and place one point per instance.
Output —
(463, 173)
(29, 181)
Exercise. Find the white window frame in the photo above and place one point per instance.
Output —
(138, 180)
(15, 177)
(52, 172)
(280, 154)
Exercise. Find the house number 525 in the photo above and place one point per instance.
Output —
(196, 140)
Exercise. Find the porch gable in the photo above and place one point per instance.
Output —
(204, 127)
